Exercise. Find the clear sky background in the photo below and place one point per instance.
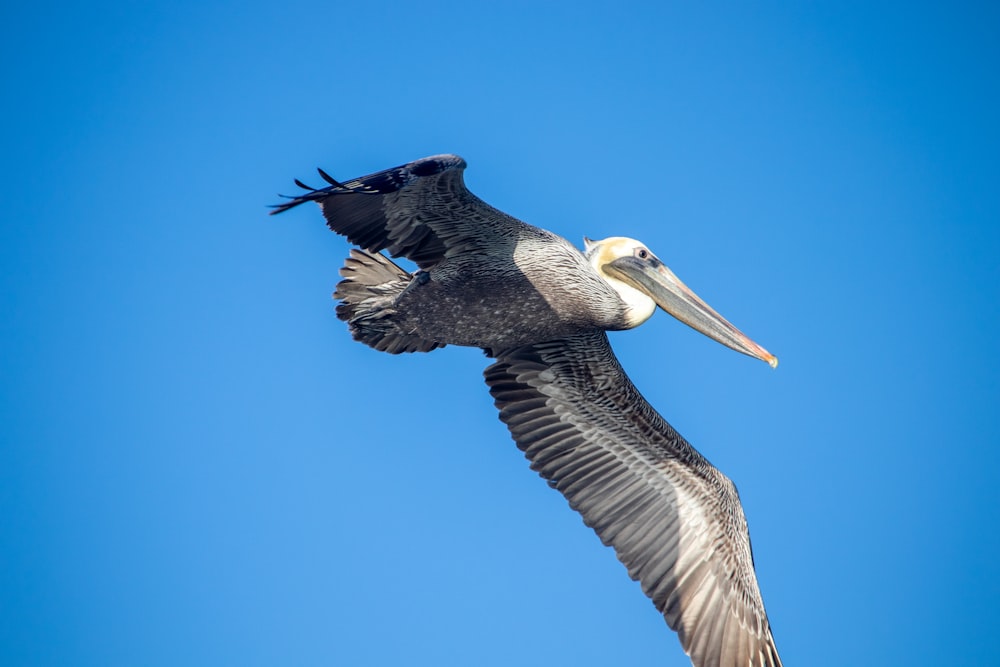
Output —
(198, 466)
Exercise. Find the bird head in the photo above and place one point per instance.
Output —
(644, 282)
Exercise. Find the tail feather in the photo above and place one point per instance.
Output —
(371, 283)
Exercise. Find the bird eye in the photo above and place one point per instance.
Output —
(641, 253)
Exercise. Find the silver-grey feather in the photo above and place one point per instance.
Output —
(674, 520)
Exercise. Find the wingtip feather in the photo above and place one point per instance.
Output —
(329, 179)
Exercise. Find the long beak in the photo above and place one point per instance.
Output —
(652, 277)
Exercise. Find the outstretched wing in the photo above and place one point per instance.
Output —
(421, 210)
(674, 520)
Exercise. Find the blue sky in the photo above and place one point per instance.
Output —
(198, 466)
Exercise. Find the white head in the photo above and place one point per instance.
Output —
(639, 304)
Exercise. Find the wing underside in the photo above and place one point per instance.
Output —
(674, 521)
(421, 210)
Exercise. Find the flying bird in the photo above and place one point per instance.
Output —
(540, 307)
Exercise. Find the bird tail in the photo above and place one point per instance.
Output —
(367, 294)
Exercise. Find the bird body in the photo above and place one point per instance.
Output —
(436, 305)
(540, 307)
(464, 295)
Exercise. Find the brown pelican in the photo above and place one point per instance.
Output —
(540, 307)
